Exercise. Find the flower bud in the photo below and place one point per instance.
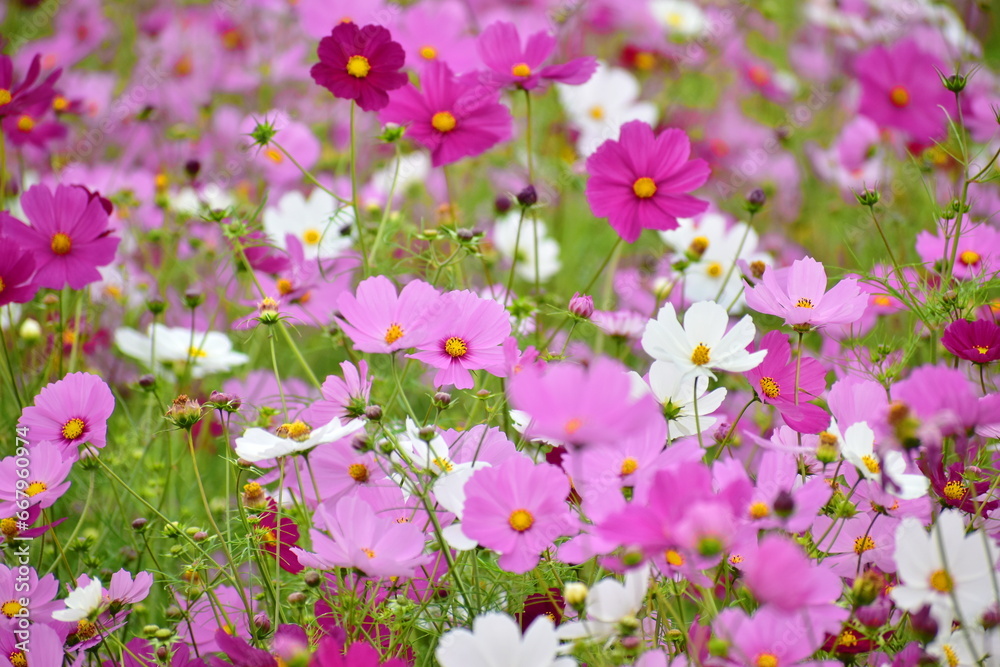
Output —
(501, 204)
(150, 630)
(868, 197)
(923, 624)
(184, 412)
(582, 305)
(296, 597)
(784, 504)
(30, 331)
(262, 623)
(254, 496)
(200, 536)
(193, 298)
(267, 311)
(163, 653)
(442, 400)
(866, 587)
(528, 196)
(139, 524)
(192, 168)
(373, 413)
(313, 579)
(575, 594)
(755, 200)
(427, 433)
(147, 381)
(156, 306)
(361, 443)
(225, 401)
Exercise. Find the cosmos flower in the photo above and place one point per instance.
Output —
(450, 116)
(71, 412)
(703, 343)
(46, 481)
(676, 394)
(256, 444)
(81, 602)
(858, 449)
(17, 269)
(774, 383)
(317, 222)
(799, 295)
(360, 64)
(378, 320)
(15, 96)
(496, 640)
(978, 342)
(511, 64)
(641, 181)
(69, 235)
(608, 604)
(174, 348)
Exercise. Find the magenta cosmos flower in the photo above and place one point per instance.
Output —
(377, 320)
(15, 96)
(451, 116)
(774, 382)
(799, 295)
(568, 403)
(641, 181)
(68, 236)
(901, 89)
(517, 509)
(464, 333)
(360, 64)
(17, 268)
(511, 64)
(978, 342)
(71, 412)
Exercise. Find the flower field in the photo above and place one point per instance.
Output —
(499, 333)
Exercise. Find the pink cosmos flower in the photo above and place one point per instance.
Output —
(377, 320)
(568, 403)
(900, 89)
(17, 96)
(345, 397)
(17, 269)
(768, 638)
(978, 250)
(780, 574)
(40, 604)
(517, 509)
(276, 536)
(360, 64)
(126, 590)
(463, 334)
(799, 295)
(453, 117)
(499, 46)
(47, 473)
(774, 383)
(71, 412)
(978, 342)
(359, 538)
(641, 181)
(330, 653)
(69, 235)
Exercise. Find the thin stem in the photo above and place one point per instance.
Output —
(308, 174)
(600, 270)
(732, 266)
(354, 192)
(387, 210)
(513, 263)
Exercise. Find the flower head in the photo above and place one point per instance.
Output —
(17, 268)
(377, 320)
(257, 445)
(482, 646)
(978, 342)
(71, 412)
(360, 64)
(81, 603)
(799, 295)
(511, 64)
(774, 382)
(641, 181)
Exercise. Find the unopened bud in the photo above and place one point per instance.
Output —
(373, 413)
(313, 579)
(502, 204)
(184, 412)
(755, 200)
(30, 330)
(868, 197)
(866, 587)
(575, 594)
(262, 623)
(296, 597)
(193, 298)
(442, 399)
(582, 305)
(784, 504)
(528, 196)
(147, 381)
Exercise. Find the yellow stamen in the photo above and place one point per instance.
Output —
(311, 236)
(759, 510)
(770, 388)
(521, 69)
(18, 659)
(25, 123)
(358, 67)
(184, 66)
(700, 356)
(872, 464)
(644, 60)
(941, 581)
(597, 112)
(804, 303)
(950, 655)
(443, 121)
(60, 103)
(573, 425)
(274, 156)
(981, 349)
(73, 429)
(35, 488)
(296, 430)
(521, 520)
(899, 96)
(10, 608)
(284, 286)
(358, 472)
(955, 490)
(863, 544)
(714, 269)
(393, 333)
(629, 466)
(674, 558)
(368, 552)
(455, 347)
(61, 243)
(443, 464)
(644, 187)
(969, 257)
(428, 53)
(766, 660)
(5, 96)
(8, 527)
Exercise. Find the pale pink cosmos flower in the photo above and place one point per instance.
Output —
(799, 295)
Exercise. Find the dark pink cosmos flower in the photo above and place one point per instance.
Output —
(276, 536)
(454, 117)
(901, 90)
(360, 64)
(641, 181)
(511, 64)
(69, 235)
(978, 342)
(17, 268)
(774, 382)
(16, 96)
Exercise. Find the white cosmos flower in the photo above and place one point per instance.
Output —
(952, 649)
(496, 641)
(703, 343)
(678, 17)
(609, 603)
(858, 449)
(81, 602)
(945, 564)
(432, 455)
(318, 222)
(599, 107)
(207, 351)
(256, 444)
(505, 239)
(449, 491)
(676, 394)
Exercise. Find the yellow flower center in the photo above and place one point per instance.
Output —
(759, 75)
(85, 629)
(358, 472)
(872, 464)
(573, 425)
(2, 285)
(981, 349)
(955, 490)
(804, 303)
(736, 559)
(882, 300)
(827, 438)
(4, 96)
(770, 388)
(759, 510)
(35, 488)
(847, 639)
(766, 660)
(644, 187)
(284, 286)
(60, 103)
(443, 464)
(949, 654)
(899, 96)
(699, 245)
(73, 429)
(521, 69)
(184, 65)
(11, 608)
(629, 466)
(8, 527)
(969, 257)
(645, 60)
(311, 236)
(714, 269)
(18, 659)
(197, 353)
(25, 123)
(700, 355)
(521, 520)
(428, 53)
(863, 544)
(358, 67)
(296, 430)
(597, 112)
(274, 156)
(61, 243)
(674, 557)
(675, 19)
(368, 552)
(443, 121)
(941, 581)
(455, 347)
(393, 333)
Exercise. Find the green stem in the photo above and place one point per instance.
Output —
(387, 210)
(513, 263)
(354, 192)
